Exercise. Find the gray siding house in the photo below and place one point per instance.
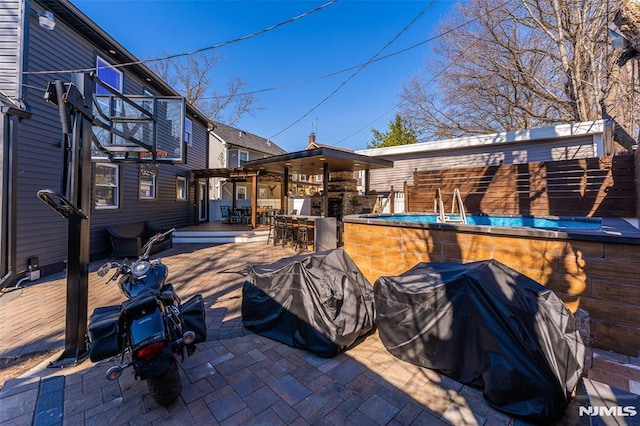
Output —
(553, 143)
(231, 148)
(33, 56)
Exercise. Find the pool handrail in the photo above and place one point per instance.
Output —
(457, 200)
(438, 208)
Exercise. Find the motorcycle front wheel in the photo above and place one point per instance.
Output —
(166, 387)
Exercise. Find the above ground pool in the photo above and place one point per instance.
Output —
(553, 223)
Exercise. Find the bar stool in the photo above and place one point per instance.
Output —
(304, 236)
(271, 221)
(279, 229)
(289, 232)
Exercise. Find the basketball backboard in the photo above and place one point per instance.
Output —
(138, 129)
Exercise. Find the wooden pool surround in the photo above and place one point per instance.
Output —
(599, 274)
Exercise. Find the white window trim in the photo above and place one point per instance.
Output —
(242, 189)
(182, 181)
(188, 140)
(117, 186)
(120, 73)
(154, 187)
(241, 151)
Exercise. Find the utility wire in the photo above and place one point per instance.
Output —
(360, 68)
(353, 67)
(431, 80)
(434, 77)
(193, 52)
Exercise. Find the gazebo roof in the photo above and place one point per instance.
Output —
(311, 161)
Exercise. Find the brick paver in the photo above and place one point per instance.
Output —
(236, 377)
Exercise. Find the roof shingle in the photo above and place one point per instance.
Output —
(240, 138)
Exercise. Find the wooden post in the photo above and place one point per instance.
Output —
(233, 194)
(406, 197)
(367, 178)
(392, 200)
(325, 189)
(254, 201)
(284, 197)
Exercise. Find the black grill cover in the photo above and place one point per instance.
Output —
(486, 325)
(320, 302)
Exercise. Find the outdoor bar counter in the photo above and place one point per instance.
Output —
(325, 232)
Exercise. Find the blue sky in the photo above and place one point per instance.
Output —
(343, 35)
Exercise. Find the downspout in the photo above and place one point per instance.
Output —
(9, 117)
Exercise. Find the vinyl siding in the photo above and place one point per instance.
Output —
(11, 32)
(41, 231)
(404, 165)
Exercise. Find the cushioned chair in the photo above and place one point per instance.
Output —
(128, 239)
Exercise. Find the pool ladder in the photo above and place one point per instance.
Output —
(438, 208)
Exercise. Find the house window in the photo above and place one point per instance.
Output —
(318, 178)
(188, 131)
(243, 157)
(147, 187)
(106, 186)
(181, 188)
(109, 75)
(241, 193)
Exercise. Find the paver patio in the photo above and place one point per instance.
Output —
(234, 378)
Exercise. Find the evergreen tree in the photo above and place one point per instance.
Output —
(400, 133)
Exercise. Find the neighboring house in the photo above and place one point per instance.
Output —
(553, 143)
(35, 54)
(231, 148)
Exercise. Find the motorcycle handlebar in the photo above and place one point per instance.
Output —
(153, 240)
(104, 269)
(122, 267)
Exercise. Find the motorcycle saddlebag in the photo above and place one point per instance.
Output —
(194, 317)
(103, 333)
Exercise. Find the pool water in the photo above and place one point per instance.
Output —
(507, 221)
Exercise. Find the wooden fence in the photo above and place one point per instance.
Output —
(594, 187)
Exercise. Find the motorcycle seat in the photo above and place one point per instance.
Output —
(142, 304)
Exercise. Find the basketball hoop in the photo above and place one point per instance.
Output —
(148, 169)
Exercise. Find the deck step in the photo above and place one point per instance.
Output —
(219, 237)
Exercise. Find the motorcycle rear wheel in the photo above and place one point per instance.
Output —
(166, 387)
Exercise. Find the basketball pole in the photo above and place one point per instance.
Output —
(76, 118)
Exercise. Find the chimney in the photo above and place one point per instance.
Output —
(312, 138)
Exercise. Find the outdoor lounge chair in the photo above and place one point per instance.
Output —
(128, 239)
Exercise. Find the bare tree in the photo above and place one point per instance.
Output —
(191, 77)
(519, 65)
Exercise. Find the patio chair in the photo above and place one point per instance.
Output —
(226, 214)
(245, 215)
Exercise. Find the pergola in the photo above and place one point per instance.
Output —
(322, 160)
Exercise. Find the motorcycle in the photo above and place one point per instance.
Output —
(152, 326)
